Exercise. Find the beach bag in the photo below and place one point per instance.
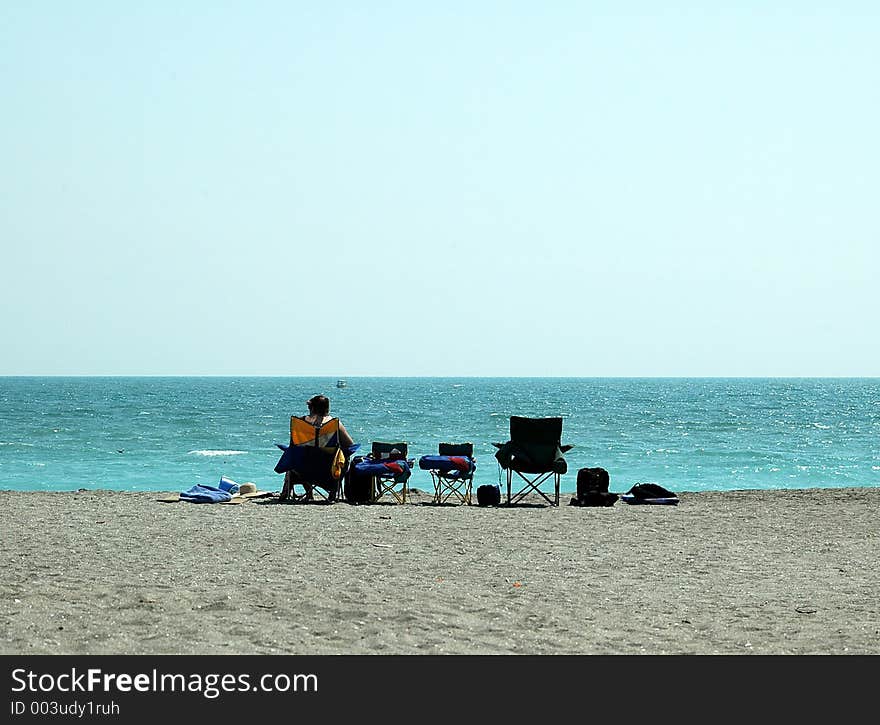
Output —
(592, 479)
(357, 486)
(650, 493)
(592, 488)
(488, 495)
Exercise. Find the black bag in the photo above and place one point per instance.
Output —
(651, 490)
(488, 495)
(592, 480)
(650, 493)
(358, 487)
(595, 498)
(592, 488)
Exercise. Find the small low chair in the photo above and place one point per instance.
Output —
(534, 454)
(314, 459)
(452, 472)
(389, 469)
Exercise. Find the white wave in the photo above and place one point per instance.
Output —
(16, 443)
(217, 453)
(821, 427)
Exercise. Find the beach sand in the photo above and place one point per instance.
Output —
(746, 572)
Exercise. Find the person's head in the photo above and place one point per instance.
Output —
(319, 405)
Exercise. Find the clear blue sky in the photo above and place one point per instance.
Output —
(457, 188)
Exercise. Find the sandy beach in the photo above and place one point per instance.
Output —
(746, 572)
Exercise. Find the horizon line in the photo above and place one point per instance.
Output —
(440, 377)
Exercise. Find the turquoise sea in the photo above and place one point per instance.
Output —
(687, 434)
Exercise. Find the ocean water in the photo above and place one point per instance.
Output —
(697, 434)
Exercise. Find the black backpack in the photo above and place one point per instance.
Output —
(590, 480)
(592, 488)
(488, 495)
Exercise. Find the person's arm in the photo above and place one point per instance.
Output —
(345, 440)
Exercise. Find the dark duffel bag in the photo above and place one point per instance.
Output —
(358, 487)
(488, 495)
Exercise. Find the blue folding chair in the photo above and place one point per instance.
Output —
(389, 468)
(452, 472)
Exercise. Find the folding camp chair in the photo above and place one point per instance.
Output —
(535, 454)
(389, 468)
(452, 471)
(314, 459)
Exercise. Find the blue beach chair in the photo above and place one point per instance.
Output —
(389, 469)
(452, 472)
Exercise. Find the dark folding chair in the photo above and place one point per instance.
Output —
(452, 471)
(535, 454)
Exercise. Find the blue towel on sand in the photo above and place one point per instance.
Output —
(202, 493)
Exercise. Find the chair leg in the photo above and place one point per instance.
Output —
(533, 485)
(288, 491)
(448, 488)
(381, 487)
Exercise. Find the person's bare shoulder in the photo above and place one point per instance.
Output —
(344, 436)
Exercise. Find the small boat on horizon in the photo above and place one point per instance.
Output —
(341, 384)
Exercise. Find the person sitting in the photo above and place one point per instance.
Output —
(318, 415)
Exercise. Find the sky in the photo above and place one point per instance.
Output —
(453, 189)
